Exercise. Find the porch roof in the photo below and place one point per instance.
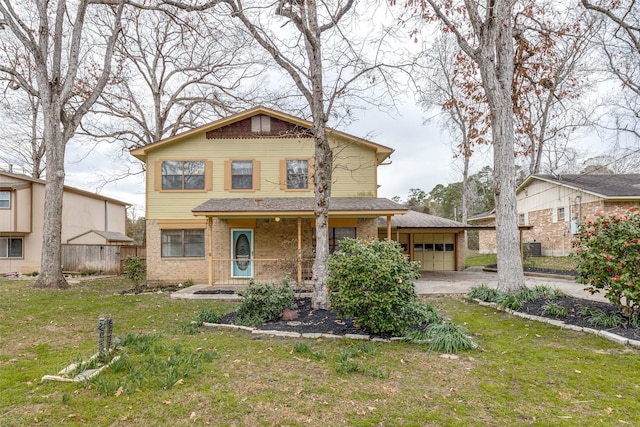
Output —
(297, 207)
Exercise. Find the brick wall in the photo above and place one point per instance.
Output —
(554, 237)
(367, 229)
(487, 238)
(172, 270)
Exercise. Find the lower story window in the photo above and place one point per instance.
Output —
(10, 247)
(336, 234)
(182, 243)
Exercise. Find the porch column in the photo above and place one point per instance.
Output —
(299, 251)
(388, 227)
(210, 260)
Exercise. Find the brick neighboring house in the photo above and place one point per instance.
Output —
(554, 205)
(21, 220)
(234, 199)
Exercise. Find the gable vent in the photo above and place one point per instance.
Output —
(260, 124)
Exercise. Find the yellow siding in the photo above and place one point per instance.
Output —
(354, 170)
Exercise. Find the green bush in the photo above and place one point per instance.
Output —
(607, 253)
(262, 302)
(135, 269)
(372, 281)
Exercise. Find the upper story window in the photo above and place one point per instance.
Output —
(10, 247)
(297, 174)
(521, 219)
(5, 199)
(561, 214)
(242, 174)
(183, 175)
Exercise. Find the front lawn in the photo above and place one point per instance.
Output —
(566, 263)
(523, 373)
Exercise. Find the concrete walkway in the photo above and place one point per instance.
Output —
(438, 283)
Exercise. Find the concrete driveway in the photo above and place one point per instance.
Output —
(439, 283)
(459, 282)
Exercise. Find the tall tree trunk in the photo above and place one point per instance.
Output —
(323, 161)
(51, 262)
(495, 59)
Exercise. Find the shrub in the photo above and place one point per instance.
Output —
(372, 281)
(607, 254)
(262, 302)
(135, 269)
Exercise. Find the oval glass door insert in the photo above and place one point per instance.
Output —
(242, 250)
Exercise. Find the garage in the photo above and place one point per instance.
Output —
(438, 244)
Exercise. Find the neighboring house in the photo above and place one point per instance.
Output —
(437, 243)
(553, 206)
(22, 212)
(234, 199)
(98, 237)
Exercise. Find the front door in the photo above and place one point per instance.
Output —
(241, 253)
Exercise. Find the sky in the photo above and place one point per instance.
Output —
(422, 158)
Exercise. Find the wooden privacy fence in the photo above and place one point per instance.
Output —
(103, 259)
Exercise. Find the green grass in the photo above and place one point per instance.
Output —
(474, 259)
(523, 372)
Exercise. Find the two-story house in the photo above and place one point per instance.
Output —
(234, 199)
(21, 220)
(551, 207)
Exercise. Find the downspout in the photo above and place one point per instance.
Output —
(106, 215)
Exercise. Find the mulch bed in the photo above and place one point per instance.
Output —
(328, 321)
(574, 308)
(308, 321)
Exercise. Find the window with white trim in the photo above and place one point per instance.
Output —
(11, 247)
(560, 214)
(521, 219)
(5, 199)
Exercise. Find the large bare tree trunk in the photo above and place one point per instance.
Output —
(51, 257)
(495, 58)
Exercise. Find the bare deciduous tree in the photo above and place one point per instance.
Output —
(296, 35)
(620, 48)
(21, 144)
(485, 34)
(71, 67)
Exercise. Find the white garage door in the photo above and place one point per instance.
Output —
(434, 251)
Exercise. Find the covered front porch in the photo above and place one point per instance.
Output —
(270, 238)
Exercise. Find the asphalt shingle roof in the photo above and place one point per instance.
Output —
(413, 219)
(297, 204)
(615, 185)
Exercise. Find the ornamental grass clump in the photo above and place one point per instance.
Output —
(373, 282)
(607, 253)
